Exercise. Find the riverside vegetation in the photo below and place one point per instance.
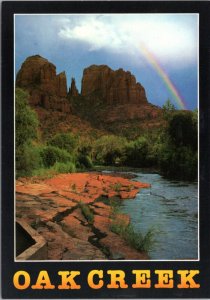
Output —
(171, 149)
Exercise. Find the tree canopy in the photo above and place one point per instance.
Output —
(25, 119)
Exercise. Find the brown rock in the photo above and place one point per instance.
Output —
(115, 87)
(51, 207)
(37, 72)
(73, 91)
(61, 85)
(38, 76)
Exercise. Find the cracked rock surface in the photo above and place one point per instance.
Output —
(53, 207)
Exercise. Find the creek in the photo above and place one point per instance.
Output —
(170, 208)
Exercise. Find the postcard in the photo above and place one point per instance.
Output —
(105, 142)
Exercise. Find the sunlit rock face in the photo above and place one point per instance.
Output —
(115, 87)
(47, 89)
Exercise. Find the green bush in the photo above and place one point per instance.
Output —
(50, 155)
(26, 122)
(168, 110)
(109, 150)
(85, 145)
(68, 167)
(84, 161)
(27, 159)
(137, 153)
(182, 129)
(65, 141)
(178, 162)
(27, 156)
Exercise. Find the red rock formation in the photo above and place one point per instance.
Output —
(38, 76)
(115, 87)
(100, 85)
(73, 91)
(61, 85)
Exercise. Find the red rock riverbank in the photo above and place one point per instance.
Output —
(53, 208)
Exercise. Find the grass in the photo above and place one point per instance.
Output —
(115, 207)
(57, 168)
(44, 173)
(116, 187)
(67, 167)
(87, 212)
(134, 239)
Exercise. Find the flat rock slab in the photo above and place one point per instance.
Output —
(53, 208)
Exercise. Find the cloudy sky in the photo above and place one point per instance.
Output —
(161, 50)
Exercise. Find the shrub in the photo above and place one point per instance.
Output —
(44, 173)
(26, 122)
(27, 159)
(178, 162)
(51, 155)
(182, 129)
(27, 156)
(109, 149)
(84, 161)
(68, 167)
(85, 145)
(168, 106)
(168, 110)
(65, 141)
(137, 152)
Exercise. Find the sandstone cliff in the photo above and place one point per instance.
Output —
(73, 91)
(115, 87)
(109, 101)
(114, 101)
(38, 76)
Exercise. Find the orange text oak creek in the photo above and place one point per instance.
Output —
(70, 280)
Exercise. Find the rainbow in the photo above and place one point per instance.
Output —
(170, 86)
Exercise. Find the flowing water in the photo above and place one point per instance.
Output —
(171, 209)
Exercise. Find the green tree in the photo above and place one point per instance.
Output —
(178, 162)
(109, 149)
(137, 152)
(26, 124)
(182, 129)
(66, 141)
(177, 156)
(51, 154)
(168, 109)
(168, 106)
